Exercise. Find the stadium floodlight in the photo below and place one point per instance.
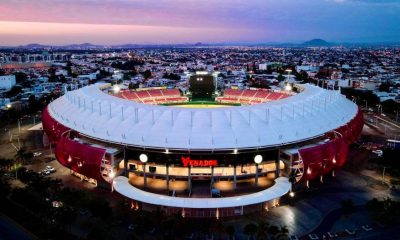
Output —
(116, 88)
(143, 158)
(258, 159)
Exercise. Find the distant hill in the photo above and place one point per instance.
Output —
(88, 46)
(33, 46)
(317, 43)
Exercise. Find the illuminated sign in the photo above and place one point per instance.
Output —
(186, 161)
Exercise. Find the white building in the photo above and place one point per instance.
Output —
(90, 76)
(7, 82)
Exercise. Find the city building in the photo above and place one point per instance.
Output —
(7, 82)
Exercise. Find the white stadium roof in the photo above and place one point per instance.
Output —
(306, 115)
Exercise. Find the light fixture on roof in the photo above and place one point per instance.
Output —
(258, 159)
(235, 151)
(143, 158)
(116, 88)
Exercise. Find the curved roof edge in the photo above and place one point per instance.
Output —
(280, 188)
(304, 116)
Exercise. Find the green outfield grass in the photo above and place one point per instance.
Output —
(201, 104)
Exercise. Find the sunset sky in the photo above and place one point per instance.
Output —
(187, 21)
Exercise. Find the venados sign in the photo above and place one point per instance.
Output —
(186, 161)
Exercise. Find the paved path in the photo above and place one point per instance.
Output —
(307, 214)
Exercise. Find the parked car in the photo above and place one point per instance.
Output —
(50, 169)
(37, 154)
(378, 152)
(83, 212)
(132, 226)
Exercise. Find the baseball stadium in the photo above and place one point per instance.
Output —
(238, 152)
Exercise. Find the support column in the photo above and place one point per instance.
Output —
(212, 174)
(234, 177)
(126, 171)
(144, 175)
(167, 171)
(277, 169)
(189, 179)
(256, 180)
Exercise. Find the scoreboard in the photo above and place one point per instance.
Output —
(201, 86)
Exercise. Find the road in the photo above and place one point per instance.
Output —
(383, 125)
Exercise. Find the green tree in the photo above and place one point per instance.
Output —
(250, 229)
(147, 74)
(280, 77)
(273, 230)
(20, 77)
(384, 87)
(262, 229)
(100, 208)
(301, 76)
(230, 230)
(133, 85)
(66, 216)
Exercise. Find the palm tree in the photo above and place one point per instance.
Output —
(273, 230)
(283, 234)
(230, 230)
(250, 229)
(284, 229)
(5, 164)
(262, 229)
(22, 155)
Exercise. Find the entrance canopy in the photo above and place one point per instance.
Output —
(280, 188)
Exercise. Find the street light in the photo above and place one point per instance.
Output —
(116, 88)
(143, 158)
(257, 159)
